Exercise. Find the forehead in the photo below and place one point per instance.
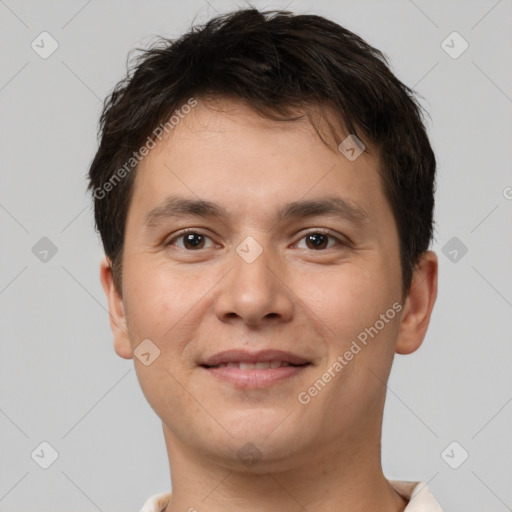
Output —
(226, 152)
(220, 117)
(227, 127)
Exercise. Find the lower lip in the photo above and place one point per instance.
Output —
(255, 378)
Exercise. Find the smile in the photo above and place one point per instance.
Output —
(262, 369)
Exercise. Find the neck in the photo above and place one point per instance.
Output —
(348, 479)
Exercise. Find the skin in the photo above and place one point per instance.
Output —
(194, 302)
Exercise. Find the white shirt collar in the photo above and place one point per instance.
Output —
(418, 494)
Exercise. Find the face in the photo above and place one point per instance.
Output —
(265, 269)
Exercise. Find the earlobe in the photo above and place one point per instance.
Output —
(418, 305)
(122, 344)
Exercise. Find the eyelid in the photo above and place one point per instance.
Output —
(342, 240)
(182, 233)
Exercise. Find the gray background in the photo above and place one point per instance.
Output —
(61, 381)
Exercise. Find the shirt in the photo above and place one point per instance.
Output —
(417, 493)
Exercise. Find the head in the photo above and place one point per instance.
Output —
(238, 132)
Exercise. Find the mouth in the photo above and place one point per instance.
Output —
(263, 365)
(254, 370)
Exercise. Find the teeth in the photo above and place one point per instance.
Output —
(263, 365)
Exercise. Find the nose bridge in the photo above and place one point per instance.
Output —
(253, 290)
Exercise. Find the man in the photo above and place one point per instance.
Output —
(264, 190)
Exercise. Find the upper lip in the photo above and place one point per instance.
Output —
(244, 356)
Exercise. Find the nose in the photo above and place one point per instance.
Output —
(255, 292)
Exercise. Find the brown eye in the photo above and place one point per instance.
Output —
(191, 240)
(318, 240)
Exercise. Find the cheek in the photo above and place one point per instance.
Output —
(350, 301)
(350, 297)
(151, 287)
(163, 303)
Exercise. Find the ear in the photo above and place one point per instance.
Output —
(122, 344)
(418, 305)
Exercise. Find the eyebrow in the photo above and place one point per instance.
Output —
(176, 206)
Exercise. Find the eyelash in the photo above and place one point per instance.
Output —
(181, 234)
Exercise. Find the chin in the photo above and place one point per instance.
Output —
(256, 424)
(255, 457)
